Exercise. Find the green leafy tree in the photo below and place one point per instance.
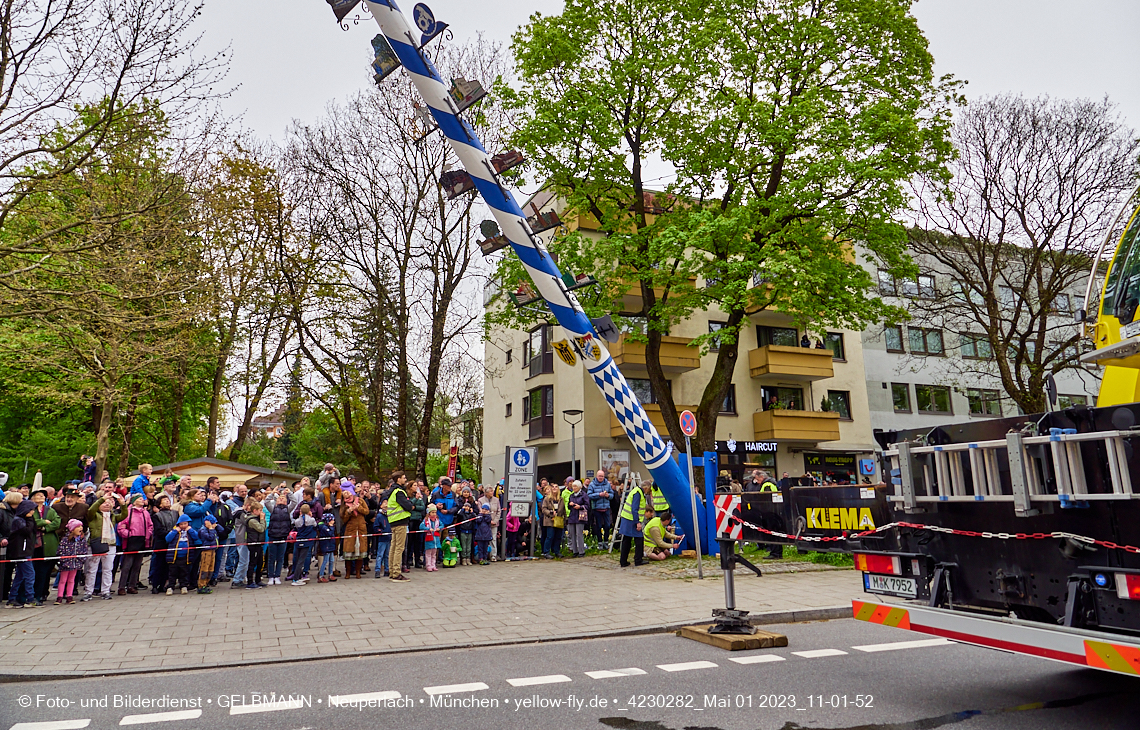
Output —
(791, 129)
(103, 321)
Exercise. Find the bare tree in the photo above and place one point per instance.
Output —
(396, 247)
(56, 55)
(245, 224)
(1032, 189)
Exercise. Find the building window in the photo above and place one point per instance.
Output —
(919, 288)
(1063, 304)
(1006, 297)
(894, 338)
(643, 389)
(975, 347)
(714, 342)
(932, 399)
(538, 354)
(540, 412)
(960, 292)
(984, 402)
(791, 399)
(900, 395)
(887, 285)
(781, 336)
(1068, 401)
(510, 356)
(834, 342)
(924, 341)
(510, 406)
(840, 402)
(729, 405)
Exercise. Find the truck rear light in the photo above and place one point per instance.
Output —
(1128, 586)
(888, 564)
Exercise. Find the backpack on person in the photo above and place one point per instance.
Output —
(225, 521)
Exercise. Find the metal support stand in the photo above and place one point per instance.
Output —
(729, 620)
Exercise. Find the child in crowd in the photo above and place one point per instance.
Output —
(483, 535)
(208, 537)
(181, 541)
(449, 550)
(514, 536)
(431, 527)
(72, 554)
(306, 526)
(383, 530)
(465, 518)
(326, 548)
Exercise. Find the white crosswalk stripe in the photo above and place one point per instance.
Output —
(530, 681)
(450, 689)
(52, 725)
(757, 659)
(686, 666)
(161, 717)
(897, 645)
(816, 653)
(612, 673)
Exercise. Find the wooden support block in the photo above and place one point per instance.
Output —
(734, 642)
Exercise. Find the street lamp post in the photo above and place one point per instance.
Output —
(566, 415)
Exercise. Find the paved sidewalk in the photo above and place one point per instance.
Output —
(462, 606)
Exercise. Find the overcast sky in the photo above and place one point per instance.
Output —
(290, 59)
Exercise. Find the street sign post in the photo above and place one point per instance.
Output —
(689, 427)
(522, 467)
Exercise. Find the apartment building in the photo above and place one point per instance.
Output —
(938, 370)
(821, 421)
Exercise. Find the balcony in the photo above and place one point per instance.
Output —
(652, 410)
(677, 354)
(799, 364)
(782, 424)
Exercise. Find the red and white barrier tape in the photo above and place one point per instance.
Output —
(945, 530)
(225, 544)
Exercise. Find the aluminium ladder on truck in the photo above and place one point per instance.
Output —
(1033, 462)
(632, 479)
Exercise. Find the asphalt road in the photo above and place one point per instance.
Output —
(660, 682)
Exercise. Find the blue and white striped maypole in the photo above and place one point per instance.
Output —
(543, 272)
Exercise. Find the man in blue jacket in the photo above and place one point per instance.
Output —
(444, 500)
(600, 493)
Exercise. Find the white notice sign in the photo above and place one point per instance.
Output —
(520, 509)
(520, 488)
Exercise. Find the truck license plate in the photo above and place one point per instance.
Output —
(890, 585)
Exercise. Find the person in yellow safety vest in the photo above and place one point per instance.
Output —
(630, 526)
(658, 535)
(766, 483)
(399, 512)
(660, 504)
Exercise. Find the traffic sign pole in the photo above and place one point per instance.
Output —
(689, 427)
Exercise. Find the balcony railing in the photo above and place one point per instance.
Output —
(781, 424)
(800, 364)
(677, 354)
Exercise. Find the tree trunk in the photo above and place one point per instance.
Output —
(215, 405)
(435, 357)
(225, 347)
(716, 390)
(129, 430)
(103, 432)
(179, 403)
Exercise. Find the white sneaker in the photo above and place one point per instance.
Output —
(297, 583)
(183, 591)
(276, 581)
